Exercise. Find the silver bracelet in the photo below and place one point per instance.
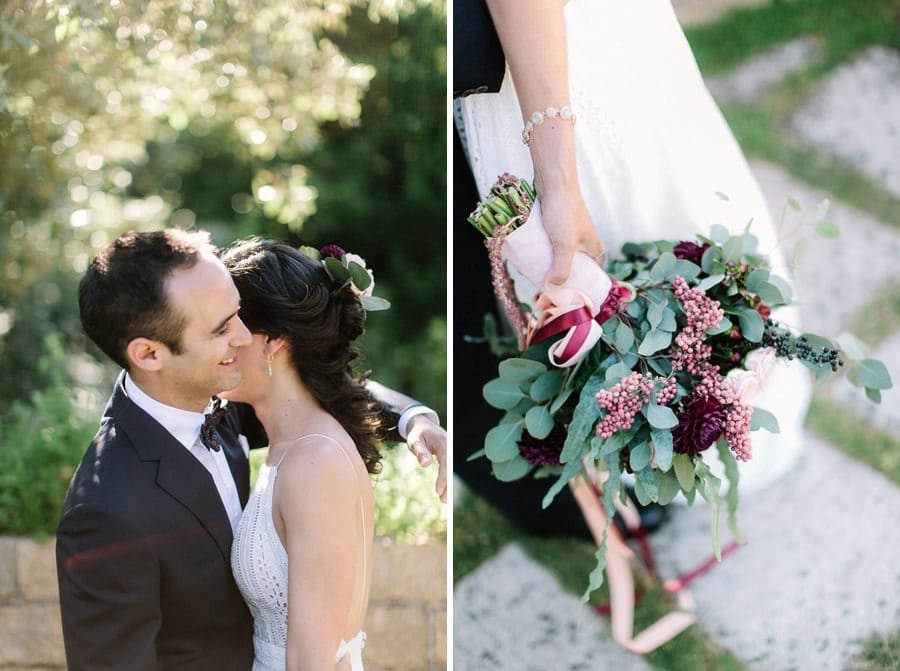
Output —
(565, 112)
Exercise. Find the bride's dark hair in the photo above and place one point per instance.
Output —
(287, 294)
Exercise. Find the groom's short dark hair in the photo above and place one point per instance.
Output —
(122, 296)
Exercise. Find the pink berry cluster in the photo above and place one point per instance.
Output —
(503, 285)
(691, 349)
(625, 399)
(738, 415)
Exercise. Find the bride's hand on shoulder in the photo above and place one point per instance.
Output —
(570, 228)
(426, 439)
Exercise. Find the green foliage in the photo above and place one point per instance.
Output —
(880, 653)
(116, 116)
(42, 442)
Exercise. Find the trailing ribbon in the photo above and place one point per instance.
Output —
(621, 582)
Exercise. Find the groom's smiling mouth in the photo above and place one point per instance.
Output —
(228, 362)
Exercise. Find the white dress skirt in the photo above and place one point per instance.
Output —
(653, 155)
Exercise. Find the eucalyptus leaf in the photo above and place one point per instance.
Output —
(660, 416)
(359, 275)
(624, 339)
(586, 414)
(732, 249)
(755, 278)
(709, 486)
(646, 486)
(508, 471)
(639, 456)
(655, 314)
(874, 374)
(661, 367)
(570, 470)
(539, 422)
(752, 324)
(723, 326)
(655, 341)
(668, 323)
(686, 269)
(828, 229)
(615, 373)
(336, 269)
(708, 283)
(684, 471)
(667, 488)
(502, 394)
(520, 370)
(560, 400)
(873, 395)
(851, 345)
(502, 442)
(719, 234)
(374, 303)
(662, 448)
(611, 489)
(732, 474)
(763, 419)
(547, 385)
(710, 259)
(793, 204)
(663, 267)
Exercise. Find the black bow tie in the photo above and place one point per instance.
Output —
(208, 435)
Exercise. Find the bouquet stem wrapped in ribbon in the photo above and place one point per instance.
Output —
(644, 370)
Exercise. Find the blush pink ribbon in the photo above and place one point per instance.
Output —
(562, 309)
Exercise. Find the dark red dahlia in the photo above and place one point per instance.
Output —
(689, 251)
(332, 250)
(699, 425)
(543, 452)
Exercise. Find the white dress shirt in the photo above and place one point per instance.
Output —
(184, 426)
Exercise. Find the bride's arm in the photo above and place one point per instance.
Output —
(533, 36)
(317, 497)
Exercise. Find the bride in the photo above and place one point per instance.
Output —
(302, 553)
(644, 155)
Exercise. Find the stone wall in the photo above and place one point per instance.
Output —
(406, 625)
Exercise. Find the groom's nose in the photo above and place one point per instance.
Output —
(241, 335)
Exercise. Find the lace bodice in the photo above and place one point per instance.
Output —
(260, 566)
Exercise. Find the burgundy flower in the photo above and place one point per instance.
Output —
(543, 452)
(689, 251)
(764, 311)
(332, 250)
(699, 425)
(615, 302)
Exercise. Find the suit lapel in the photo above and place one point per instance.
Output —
(179, 474)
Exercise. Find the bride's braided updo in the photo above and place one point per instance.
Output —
(287, 294)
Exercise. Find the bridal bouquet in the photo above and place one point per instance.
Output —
(642, 370)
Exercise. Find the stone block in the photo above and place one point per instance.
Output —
(410, 572)
(37, 570)
(9, 585)
(397, 638)
(31, 635)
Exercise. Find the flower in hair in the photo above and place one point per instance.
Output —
(345, 269)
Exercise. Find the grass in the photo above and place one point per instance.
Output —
(479, 531)
(406, 507)
(880, 653)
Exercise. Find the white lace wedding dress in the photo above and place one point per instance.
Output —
(260, 566)
(653, 150)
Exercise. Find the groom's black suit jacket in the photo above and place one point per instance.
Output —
(144, 550)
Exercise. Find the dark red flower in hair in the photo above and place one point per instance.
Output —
(332, 250)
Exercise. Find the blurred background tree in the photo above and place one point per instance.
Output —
(314, 122)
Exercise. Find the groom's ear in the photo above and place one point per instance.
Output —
(146, 354)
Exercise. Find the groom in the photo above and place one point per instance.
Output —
(144, 544)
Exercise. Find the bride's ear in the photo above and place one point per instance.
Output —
(274, 345)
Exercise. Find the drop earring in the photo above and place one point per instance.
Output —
(269, 360)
